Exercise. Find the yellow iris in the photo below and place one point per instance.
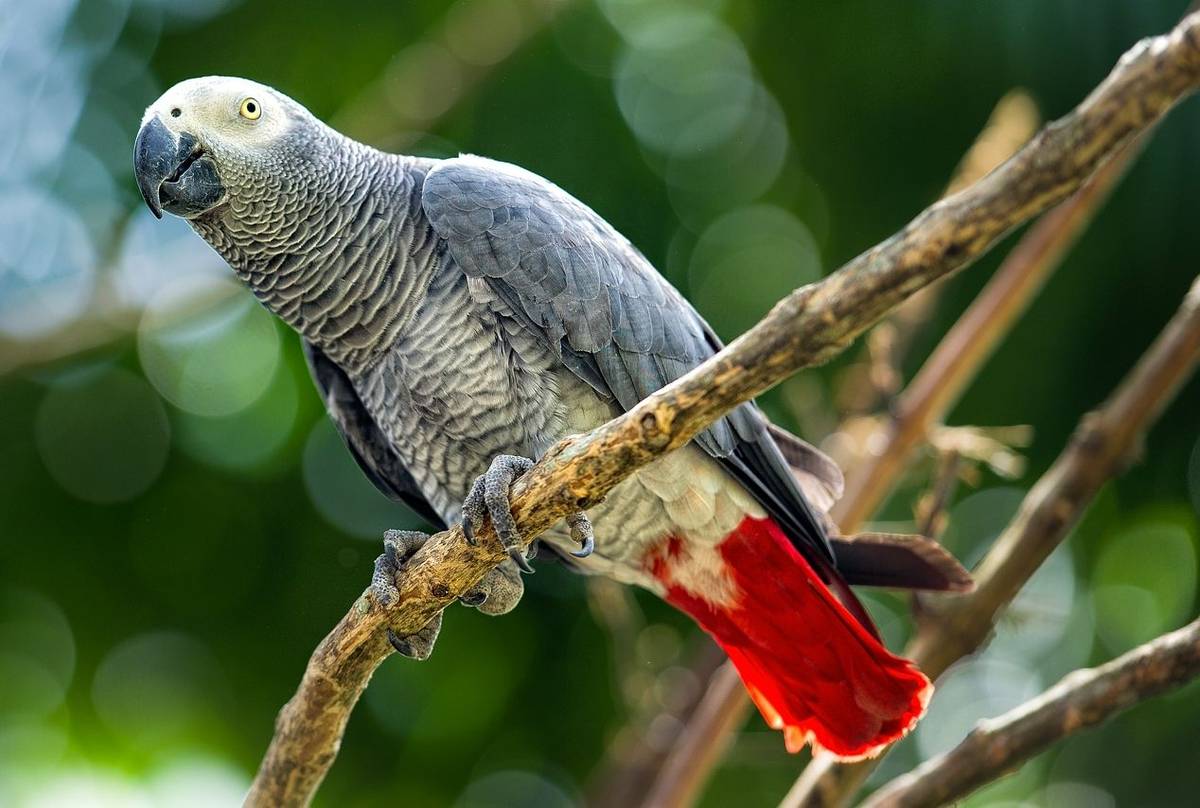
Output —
(251, 110)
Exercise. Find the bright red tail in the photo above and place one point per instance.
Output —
(814, 671)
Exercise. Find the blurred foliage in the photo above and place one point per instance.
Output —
(179, 524)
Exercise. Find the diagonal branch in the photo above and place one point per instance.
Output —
(1080, 701)
(1104, 443)
(809, 326)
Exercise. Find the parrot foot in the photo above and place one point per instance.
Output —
(398, 547)
(497, 593)
(489, 496)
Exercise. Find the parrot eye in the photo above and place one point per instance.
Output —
(251, 110)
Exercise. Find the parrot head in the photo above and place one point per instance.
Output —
(210, 141)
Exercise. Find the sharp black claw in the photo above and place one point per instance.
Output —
(581, 531)
(518, 558)
(473, 599)
(589, 544)
(468, 531)
(402, 646)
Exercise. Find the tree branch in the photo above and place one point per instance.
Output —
(1080, 701)
(1104, 443)
(809, 326)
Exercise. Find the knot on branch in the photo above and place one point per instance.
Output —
(653, 433)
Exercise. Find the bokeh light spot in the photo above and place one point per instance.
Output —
(1076, 795)
(768, 250)
(483, 33)
(105, 437)
(507, 788)
(1144, 583)
(685, 82)
(1034, 623)
(422, 81)
(41, 87)
(47, 266)
(631, 17)
(196, 782)
(248, 439)
(971, 690)
(37, 656)
(29, 751)
(87, 789)
(706, 182)
(208, 352)
(978, 520)
(159, 690)
(343, 494)
(155, 255)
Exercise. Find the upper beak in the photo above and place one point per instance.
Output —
(157, 152)
(173, 171)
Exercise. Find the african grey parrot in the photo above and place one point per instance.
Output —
(462, 315)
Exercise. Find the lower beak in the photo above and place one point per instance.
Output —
(173, 172)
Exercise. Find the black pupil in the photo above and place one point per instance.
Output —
(176, 112)
(250, 108)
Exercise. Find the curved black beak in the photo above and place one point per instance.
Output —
(173, 172)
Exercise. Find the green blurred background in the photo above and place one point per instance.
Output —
(179, 525)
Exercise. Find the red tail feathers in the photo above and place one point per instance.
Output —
(814, 671)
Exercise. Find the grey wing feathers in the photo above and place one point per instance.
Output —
(363, 437)
(602, 307)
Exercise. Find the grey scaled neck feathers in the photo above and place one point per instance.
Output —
(329, 235)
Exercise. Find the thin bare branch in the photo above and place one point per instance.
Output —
(721, 710)
(933, 505)
(807, 327)
(1103, 445)
(1080, 701)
